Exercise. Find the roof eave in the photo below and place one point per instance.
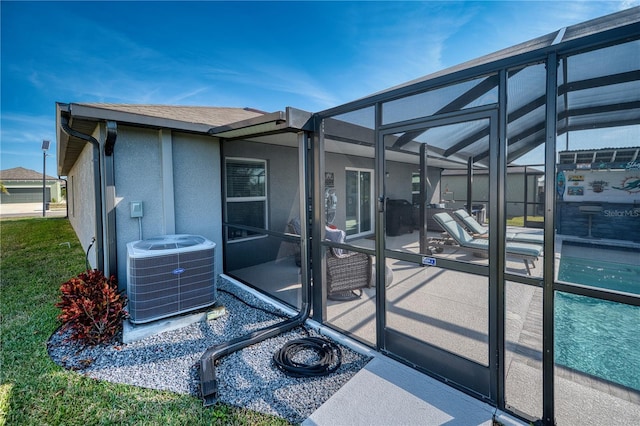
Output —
(290, 120)
(92, 114)
(104, 114)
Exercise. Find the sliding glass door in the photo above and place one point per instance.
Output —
(359, 208)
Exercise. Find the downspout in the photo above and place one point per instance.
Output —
(111, 268)
(64, 123)
(206, 364)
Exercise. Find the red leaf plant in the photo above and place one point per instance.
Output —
(92, 307)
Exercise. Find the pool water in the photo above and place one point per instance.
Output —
(608, 275)
(595, 336)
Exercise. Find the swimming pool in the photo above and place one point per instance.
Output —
(595, 336)
(602, 274)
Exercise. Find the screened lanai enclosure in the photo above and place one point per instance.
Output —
(481, 224)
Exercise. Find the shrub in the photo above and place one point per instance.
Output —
(92, 307)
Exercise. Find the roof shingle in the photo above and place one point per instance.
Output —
(20, 173)
(211, 116)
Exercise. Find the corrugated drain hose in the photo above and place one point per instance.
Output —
(86, 257)
(329, 357)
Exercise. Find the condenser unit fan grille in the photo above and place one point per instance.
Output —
(162, 285)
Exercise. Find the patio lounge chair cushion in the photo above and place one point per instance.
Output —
(470, 222)
(463, 239)
(479, 230)
(524, 237)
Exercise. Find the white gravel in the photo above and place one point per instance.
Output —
(247, 378)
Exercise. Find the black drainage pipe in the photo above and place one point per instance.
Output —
(206, 365)
(97, 183)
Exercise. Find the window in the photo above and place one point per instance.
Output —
(246, 196)
(359, 208)
(415, 189)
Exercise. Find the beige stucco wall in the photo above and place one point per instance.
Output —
(197, 188)
(182, 198)
(80, 196)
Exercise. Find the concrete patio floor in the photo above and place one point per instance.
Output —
(456, 304)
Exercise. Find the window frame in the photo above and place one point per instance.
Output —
(231, 199)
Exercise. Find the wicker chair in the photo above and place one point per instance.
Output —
(293, 227)
(347, 272)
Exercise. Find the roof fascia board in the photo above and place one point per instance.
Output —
(615, 35)
(298, 119)
(99, 114)
(290, 120)
(274, 117)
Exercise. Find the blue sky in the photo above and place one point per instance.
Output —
(264, 55)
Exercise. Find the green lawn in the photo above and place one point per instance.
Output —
(35, 260)
(519, 220)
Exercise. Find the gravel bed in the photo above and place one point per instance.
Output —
(247, 378)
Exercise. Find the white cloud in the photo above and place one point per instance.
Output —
(27, 129)
(627, 4)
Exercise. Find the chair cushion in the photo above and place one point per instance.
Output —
(524, 237)
(470, 222)
(336, 236)
(454, 229)
(523, 249)
(294, 226)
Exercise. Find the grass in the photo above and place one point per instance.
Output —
(519, 220)
(35, 260)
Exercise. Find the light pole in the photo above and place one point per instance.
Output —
(45, 147)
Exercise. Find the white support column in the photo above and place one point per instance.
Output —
(168, 204)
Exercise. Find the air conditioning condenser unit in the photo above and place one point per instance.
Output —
(169, 275)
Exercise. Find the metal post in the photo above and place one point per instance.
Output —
(548, 309)
(45, 147)
(470, 185)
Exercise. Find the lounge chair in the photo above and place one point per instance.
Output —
(526, 252)
(482, 232)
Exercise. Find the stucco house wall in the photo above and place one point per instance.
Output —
(80, 192)
(162, 156)
(176, 177)
(197, 188)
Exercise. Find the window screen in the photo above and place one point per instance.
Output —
(246, 196)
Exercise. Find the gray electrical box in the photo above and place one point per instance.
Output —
(136, 209)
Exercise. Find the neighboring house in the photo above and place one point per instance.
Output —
(25, 186)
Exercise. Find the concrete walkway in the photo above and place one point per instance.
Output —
(387, 392)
